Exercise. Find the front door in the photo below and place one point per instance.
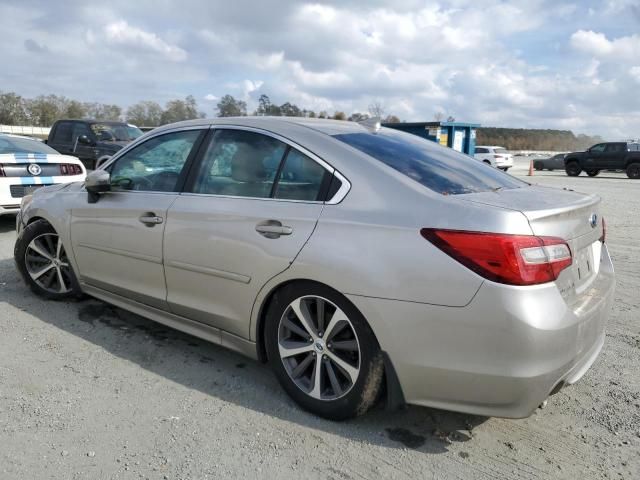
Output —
(250, 206)
(595, 157)
(117, 241)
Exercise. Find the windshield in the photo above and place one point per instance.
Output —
(115, 132)
(23, 145)
(438, 168)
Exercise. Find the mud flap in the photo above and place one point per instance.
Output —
(394, 397)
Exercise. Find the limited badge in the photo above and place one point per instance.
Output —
(34, 169)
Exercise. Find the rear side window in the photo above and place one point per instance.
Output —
(438, 168)
(481, 150)
(239, 164)
(500, 150)
(616, 147)
(301, 178)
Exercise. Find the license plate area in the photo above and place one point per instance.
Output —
(28, 190)
(584, 264)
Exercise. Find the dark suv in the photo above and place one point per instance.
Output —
(605, 156)
(91, 140)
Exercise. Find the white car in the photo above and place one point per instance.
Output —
(27, 164)
(497, 157)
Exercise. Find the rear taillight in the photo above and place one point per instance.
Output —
(502, 258)
(70, 169)
(604, 231)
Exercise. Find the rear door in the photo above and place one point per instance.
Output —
(117, 242)
(252, 202)
(81, 150)
(614, 156)
(61, 140)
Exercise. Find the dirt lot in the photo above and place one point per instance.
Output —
(90, 391)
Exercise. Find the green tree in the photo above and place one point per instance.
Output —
(290, 110)
(339, 116)
(145, 114)
(44, 110)
(12, 109)
(230, 107)
(179, 110)
(74, 109)
(103, 111)
(392, 119)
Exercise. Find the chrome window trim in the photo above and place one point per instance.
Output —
(337, 198)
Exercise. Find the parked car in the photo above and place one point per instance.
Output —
(348, 257)
(553, 163)
(26, 165)
(605, 156)
(90, 140)
(497, 157)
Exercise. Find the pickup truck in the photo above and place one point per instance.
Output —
(605, 156)
(91, 140)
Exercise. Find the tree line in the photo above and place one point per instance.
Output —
(44, 110)
(534, 139)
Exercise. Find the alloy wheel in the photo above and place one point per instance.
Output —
(47, 263)
(319, 348)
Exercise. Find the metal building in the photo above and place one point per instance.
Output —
(457, 135)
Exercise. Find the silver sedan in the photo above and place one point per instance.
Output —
(359, 262)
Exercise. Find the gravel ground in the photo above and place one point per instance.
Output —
(90, 391)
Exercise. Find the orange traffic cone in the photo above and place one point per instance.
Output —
(530, 174)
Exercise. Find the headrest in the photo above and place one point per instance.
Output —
(246, 165)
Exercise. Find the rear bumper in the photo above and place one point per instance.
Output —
(501, 355)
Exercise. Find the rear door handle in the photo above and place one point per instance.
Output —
(273, 229)
(150, 219)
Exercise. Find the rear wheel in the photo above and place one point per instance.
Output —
(538, 165)
(322, 351)
(43, 263)
(633, 171)
(573, 169)
(593, 173)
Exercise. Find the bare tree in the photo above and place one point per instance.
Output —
(376, 110)
(438, 116)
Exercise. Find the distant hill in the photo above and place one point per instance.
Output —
(533, 139)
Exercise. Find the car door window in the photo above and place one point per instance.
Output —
(155, 165)
(598, 148)
(616, 148)
(239, 163)
(63, 133)
(80, 129)
(301, 178)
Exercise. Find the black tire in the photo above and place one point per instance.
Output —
(633, 171)
(487, 162)
(26, 259)
(364, 392)
(573, 169)
(538, 166)
(593, 173)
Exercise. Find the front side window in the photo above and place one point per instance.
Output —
(438, 168)
(598, 148)
(155, 165)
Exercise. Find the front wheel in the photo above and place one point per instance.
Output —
(42, 261)
(322, 351)
(593, 173)
(633, 171)
(573, 169)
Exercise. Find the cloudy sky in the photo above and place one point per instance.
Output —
(530, 63)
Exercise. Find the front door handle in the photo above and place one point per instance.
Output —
(150, 219)
(273, 229)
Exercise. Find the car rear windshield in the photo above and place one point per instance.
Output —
(23, 145)
(438, 168)
(500, 150)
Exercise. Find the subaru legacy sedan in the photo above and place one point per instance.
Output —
(361, 263)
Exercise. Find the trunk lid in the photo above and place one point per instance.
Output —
(571, 216)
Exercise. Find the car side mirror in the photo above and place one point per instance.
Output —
(84, 140)
(97, 182)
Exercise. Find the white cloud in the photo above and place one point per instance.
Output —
(122, 33)
(598, 45)
(210, 97)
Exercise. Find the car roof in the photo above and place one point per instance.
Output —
(489, 146)
(85, 120)
(326, 126)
